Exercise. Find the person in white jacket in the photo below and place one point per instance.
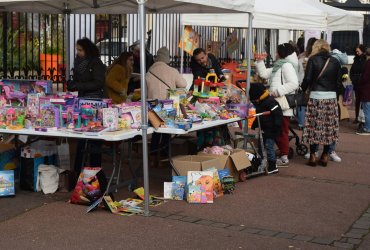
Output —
(282, 80)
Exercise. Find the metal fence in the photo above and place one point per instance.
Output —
(33, 46)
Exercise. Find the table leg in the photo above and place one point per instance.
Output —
(119, 166)
(170, 156)
(114, 166)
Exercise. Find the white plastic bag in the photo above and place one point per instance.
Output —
(63, 155)
(47, 179)
(361, 115)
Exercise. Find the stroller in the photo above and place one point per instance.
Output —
(300, 148)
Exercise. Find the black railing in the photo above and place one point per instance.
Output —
(33, 46)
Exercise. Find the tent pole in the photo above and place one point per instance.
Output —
(144, 119)
(182, 46)
(248, 51)
(67, 29)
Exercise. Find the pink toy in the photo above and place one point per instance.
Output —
(10, 95)
(10, 116)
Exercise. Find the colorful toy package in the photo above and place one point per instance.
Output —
(90, 186)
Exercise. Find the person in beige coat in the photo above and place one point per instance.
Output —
(161, 77)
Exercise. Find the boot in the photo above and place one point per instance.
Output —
(324, 159)
(312, 161)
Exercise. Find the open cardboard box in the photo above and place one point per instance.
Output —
(235, 162)
(186, 163)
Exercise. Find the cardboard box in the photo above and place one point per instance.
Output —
(235, 162)
(186, 163)
(8, 157)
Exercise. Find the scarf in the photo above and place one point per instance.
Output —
(277, 65)
(81, 64)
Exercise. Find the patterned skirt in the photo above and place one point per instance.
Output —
(321, 122)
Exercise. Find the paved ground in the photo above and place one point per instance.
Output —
(299, 208)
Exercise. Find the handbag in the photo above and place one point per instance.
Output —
(300, 97)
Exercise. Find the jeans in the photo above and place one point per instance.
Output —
(315, 148)
(301, 112)
(270, 150)
(366, 107)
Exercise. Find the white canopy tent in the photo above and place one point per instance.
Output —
(131, 6)
(286, 15)
(125, 6)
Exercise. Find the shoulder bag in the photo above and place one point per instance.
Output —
(300, 98)
(159, 79)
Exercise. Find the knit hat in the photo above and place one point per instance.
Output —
(256, 90)
(163, 55)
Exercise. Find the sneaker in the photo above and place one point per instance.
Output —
(363, 132)
(334, 157)
(307, 156)
(273, 171)
(282, 162)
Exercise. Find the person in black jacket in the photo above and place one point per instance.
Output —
(355, 75)
(322, 78)
(89, 81)
(201, 64)
(270, 124)
(88, 71)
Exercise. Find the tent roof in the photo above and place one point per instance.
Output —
(127, 6)
(339, 19)
(284, 14)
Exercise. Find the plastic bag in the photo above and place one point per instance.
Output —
(63, 155)
(90, 186)
(47, 179)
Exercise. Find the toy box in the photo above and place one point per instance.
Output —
(7, 183)
(29, 86)
(8, 157)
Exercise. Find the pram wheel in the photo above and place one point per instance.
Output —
(243, 176)
(291, 153)
(301, 149)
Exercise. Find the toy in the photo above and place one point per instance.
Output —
(228, 184)
(87, 114)
(11, 94)
(10, 117)
(209, 86)
(49, 116)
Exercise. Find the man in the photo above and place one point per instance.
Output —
(149, 61)
(201, 64)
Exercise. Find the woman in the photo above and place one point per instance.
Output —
(160, 78)
(322, 78)
(118, 77)
(88, 71)
(355, 75)
(283, 80)
(88, 80)
(364, 90)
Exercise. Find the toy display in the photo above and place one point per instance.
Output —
(28, 104)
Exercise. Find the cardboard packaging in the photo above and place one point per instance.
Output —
(186, 163)
(235, 162)
(8, 157)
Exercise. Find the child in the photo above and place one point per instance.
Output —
(270, 124)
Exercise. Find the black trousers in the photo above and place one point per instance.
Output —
(94, 150)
